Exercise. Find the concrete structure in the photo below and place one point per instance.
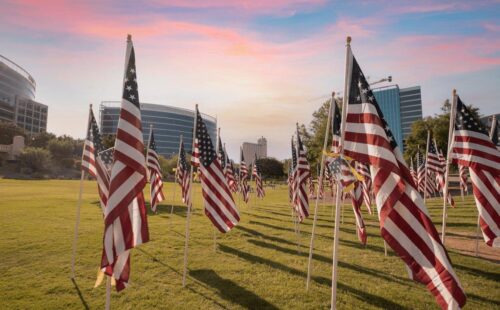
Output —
(13, 150)
(169, 123)
(252, 149)
(17, 94)
(401, 108)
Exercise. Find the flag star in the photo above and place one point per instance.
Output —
(132, 97)
(132, 70)
(129, 88)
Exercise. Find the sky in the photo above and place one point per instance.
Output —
(260, 66)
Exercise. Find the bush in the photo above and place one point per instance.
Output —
(34, 160)
(61, 148)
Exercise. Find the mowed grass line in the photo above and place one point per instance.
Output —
(258, 265)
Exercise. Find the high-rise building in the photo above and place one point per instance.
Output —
(401, 108)
(169, 123)
(17, 94)
(259, 149)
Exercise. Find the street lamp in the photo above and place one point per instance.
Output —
(387, 79)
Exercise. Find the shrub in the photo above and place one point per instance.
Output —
(61, 148)
(34, 159)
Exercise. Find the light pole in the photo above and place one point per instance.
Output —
(387, 79)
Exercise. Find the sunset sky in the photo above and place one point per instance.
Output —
(259, 66)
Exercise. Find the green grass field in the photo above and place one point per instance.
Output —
(258, 265)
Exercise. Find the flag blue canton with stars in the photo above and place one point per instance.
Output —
(130, 91)
(207, 150)
(360, 92)
(465, 119)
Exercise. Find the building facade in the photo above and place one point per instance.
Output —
(169, 123)
(401, 108)
(259, 149)
(17, 94)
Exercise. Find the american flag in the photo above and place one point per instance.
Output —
(433, 163)
(336, 120)
(302, 174)
(292, 176)
(494, 131)
(219, 204)
(366, 184)
(230, 177)
(88, 155)
(258, 179)
(344, 173)
(413, 172)
(463, 174)
(184, 175)
(155, 176)
(473, 148)
(290, 183)
(356, 201)
(440, 178)
(404, 220)
(244, 187)
(420, 173)
(195, 154)
(312, 193)
(125, 214)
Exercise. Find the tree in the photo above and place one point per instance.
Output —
(34, 159)
(61, 149)
(108, 141)
(41, 139)
(270, 168)
(8, 131)
(167, 165)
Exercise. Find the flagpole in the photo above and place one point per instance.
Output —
(337, 202)
(325, 142)
(188, 216)
(477, 235)
(426, 163)
(447, 170)
(175, 175)
(108, 293)
(78, 205)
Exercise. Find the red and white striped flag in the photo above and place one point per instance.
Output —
(244, 187)
(184, 174)
(125, 214)
(219, 204)
(302, 175)
(463, 175)
(473, 148)
(195, 154)
(413, 172)
(356, 201)
(88, 155)
(258, 179)
(155, 177)
(366, 184)
(404, 220)
(292, 176)
(420, 173)
(440, 178)
(230, 177)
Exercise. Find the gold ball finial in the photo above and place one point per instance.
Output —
(348, 39)
(129, 37)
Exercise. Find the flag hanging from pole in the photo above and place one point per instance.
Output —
(244, 187)
(404, 220)
(219, 204)
(89, 150)
(366, 184)
(155, 177)
(125, 213)
(302, 175)
(184, 174)
(258, 179)
(473, 148)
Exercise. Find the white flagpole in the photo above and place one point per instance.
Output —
(320, 177)
(78, 205)
(188, 216)
(447, 170)
(108, 293)
(175, 176)
(426, 163)
(477, 235)
(345, 104)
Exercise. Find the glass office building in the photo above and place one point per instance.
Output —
(17, 94)
(169, 123)
(401, 108)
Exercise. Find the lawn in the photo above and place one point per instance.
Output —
(258, 265)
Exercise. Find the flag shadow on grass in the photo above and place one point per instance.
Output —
(328, 260)
(371, 299)
(231, 291)
(164, 210)
(84, 303)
